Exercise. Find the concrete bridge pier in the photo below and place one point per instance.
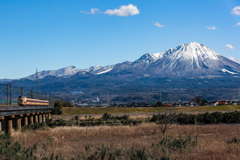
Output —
(49, 115)
(31, 118)
(9, 124)
(44, 120)
(36, 117)
(1, 121)
(26, 119)
(40, 117)
(14, 117)
(18, 123)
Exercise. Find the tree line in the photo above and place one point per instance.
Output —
(58, 105)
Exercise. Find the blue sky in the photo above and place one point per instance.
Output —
(50, 35)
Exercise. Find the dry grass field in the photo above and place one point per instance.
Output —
(69, 111)
(71, 141)
(98, 110)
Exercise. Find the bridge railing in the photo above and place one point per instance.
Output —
(24, 107)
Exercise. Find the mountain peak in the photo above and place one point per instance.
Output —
(184, 60)
(194, 49)
(71, 67)
(145, 58)
(194, 43)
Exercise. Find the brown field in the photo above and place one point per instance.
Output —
(70, 111)
(71, 141)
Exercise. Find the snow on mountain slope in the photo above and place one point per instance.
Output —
(186, 60)
(105, 71)
(224, 70)
(191, 59)
(94, 68)
(149, 58)
(64, 72)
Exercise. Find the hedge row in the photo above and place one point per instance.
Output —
(206, 118)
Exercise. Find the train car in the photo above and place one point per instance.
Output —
(24, 101)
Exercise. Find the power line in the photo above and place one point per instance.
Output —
(37, 85)
(238, 93)
(160, 96)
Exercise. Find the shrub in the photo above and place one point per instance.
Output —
(180, 144)
(206, 118)
(234, 140)
(76, 118)
(13, 150)
(34, 126)
(140, 154)
(106, 116)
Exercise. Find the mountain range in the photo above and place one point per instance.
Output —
(187, 66)
(186, 60)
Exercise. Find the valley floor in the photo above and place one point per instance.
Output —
(85, 141)
(137, 113)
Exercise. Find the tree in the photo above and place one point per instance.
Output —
(166, 120)
(158, 104)
(67, 104)
(199, 100)
(58, 105)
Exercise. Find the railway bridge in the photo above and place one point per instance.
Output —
(14, 117)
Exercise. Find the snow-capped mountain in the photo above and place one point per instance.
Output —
(193, 59)
(186, 60)
(70, 71)
(97, 70)
(63, 72)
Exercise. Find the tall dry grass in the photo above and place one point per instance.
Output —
(71, 141)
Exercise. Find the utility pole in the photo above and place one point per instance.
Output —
(22, 91)
(108, 98)
(49, 98)
(152, 93)
(31, 94)
(160, 96)
(46, 95)
(7, 95)
(10, 95)
(238, 93)
(37, 85)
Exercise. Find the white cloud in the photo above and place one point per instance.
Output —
(124, 10)
(92, 11)
(213, 27)
(238, 24)
(234, 59)
(159, 25)
(236, 11)
(229, 47)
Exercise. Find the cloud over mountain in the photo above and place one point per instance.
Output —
(92, 11)
(233, 59)
(212, 27)
(236, 10)
(159, 25)
(229, 47)
(124, 10)
(238, 24)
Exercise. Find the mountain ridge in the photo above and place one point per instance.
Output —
(193, 59)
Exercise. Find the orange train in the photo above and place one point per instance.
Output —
(24, 101)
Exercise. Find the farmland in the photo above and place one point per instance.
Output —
(81, 111)
(119, 141)
(134, 133)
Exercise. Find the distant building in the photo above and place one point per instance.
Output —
(81, 105)
(95, 100)
(222, 103)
